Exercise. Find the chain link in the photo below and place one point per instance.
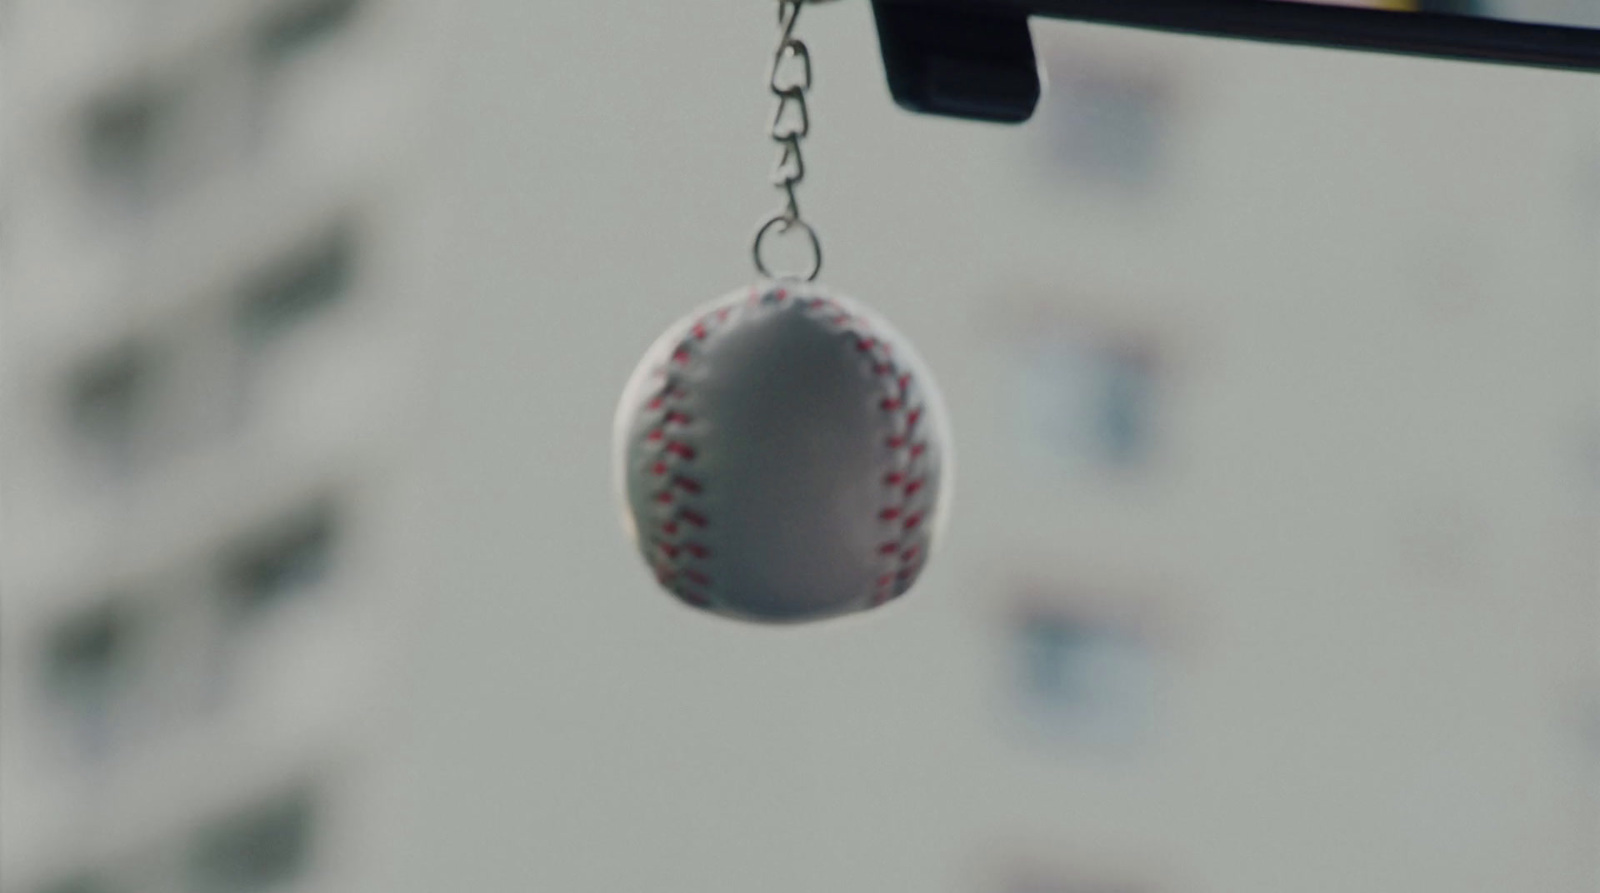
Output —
(789, 80)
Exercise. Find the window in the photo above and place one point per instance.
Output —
(125, 137)
(290, 556)
(121, 133)
(300, 27)
(299, 286)
(1104, 122)
(1087, 677)
(110, 399)
(88, 670)
(88, 655)
(1089, 398)
(261, 847)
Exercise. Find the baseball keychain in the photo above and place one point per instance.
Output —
(782, 453)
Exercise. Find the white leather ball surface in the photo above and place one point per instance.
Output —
(781, 455)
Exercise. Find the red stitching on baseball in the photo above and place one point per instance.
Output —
(678, 449)
(695, 576)
(667, 449)
(669, 391)
(908, 448)
(906, 484)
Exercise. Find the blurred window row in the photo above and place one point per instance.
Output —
(123, 403)
(146, 137)
(269, 844)
(107, 661)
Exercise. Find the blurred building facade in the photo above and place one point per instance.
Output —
(1274, 373)
(208, 357)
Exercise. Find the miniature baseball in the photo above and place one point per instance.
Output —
(782, 455)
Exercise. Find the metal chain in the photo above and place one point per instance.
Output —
(789, 79)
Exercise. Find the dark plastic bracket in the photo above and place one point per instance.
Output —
(974, 58)
(969, 62)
